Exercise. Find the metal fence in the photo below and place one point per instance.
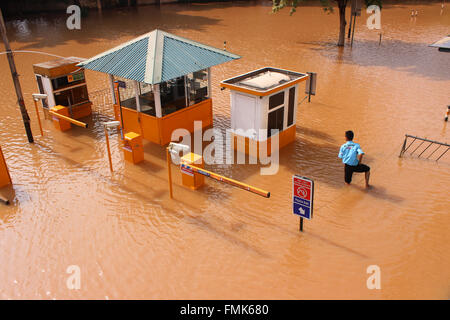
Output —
(422, 147)
(102, 101)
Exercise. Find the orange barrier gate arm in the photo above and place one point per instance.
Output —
(75, 122)
(229, 181)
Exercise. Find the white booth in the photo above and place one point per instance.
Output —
(262, 101)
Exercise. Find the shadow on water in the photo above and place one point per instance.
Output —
(35, 31)
(337, 245)
(315, 134)
(395, 54)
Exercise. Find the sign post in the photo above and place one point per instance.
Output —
(302, 198)
(311, 83)
(119, 84)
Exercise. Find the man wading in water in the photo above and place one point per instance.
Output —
(351, 155)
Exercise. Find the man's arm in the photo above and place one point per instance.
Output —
(340, 155)
(360, 156)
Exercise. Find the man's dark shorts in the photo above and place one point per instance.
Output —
(350, 169)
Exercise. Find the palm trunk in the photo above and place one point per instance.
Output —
(99, 5)
(342, 23)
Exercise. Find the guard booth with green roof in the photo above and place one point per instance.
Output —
(165, 83)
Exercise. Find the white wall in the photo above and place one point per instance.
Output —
(251, 112)
(48, 89)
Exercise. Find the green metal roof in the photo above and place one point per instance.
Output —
(157, 57)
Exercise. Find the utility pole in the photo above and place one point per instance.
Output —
(15, 77)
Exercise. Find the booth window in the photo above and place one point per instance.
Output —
(71, 96)
(127, 95)
(146, 98)
(197, 83)
(291, 106)
(172, 95)
(275, 121)
(68, 80)
(276, 100)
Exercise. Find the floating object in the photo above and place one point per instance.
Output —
(261, 101)
(65, 85)
(165, 83)
(447, 113)
(61, 119)
(5, 178)
(133, 149)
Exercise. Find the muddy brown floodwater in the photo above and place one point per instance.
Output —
(131, 241)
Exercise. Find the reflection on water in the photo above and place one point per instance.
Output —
(131, 241)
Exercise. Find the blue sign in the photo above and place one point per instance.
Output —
(302, 196)
(121, 84)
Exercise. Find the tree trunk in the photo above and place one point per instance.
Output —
(342, 23)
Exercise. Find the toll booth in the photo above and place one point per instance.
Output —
(262, 100)
(160, 82)
(64, 84)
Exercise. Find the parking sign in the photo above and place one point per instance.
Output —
(302, 196)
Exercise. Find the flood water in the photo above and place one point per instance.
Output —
(131, 241)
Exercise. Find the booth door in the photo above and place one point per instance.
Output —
(244, 115)
(131, 121)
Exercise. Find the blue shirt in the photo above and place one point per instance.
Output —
(349, 152)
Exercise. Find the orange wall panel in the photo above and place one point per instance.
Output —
(82, 110)
(185, 119)
(284, 138)
(150, 128)
(159, 130)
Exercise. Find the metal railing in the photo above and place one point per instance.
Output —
(420, 141)
(102, 101)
